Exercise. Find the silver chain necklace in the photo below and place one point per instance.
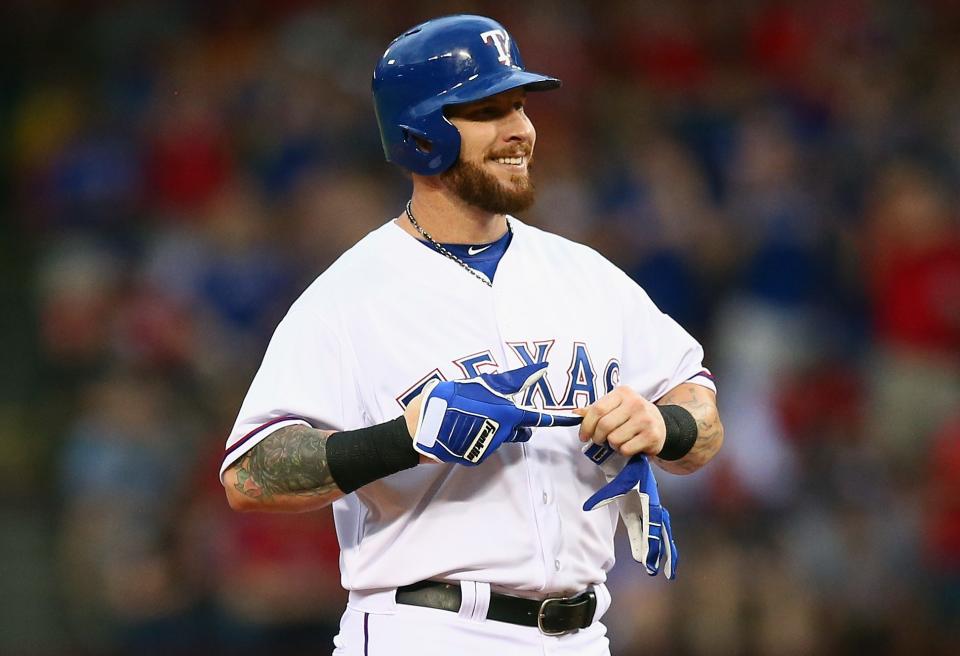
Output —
(443, 251)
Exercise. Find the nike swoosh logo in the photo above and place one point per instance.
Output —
(473, 250)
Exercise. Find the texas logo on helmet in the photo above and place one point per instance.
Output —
(501, 40)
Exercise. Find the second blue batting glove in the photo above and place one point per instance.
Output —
(634, 488)
(465, 421)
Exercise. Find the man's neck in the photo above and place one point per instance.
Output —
(451, 221)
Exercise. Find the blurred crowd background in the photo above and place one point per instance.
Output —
(782, 177)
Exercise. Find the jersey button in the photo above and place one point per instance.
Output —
(545, 497)
(556, 564)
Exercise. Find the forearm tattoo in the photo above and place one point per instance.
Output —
(698, 403)
(291, 461)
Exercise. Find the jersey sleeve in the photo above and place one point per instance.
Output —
(305, 378)
(658, 353)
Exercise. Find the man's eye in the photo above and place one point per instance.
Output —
(486, 112)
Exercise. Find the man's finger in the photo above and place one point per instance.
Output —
(510, 382)
(632, 437)
(545, 419)
(609, 423)
(522, 434)
(595, 411)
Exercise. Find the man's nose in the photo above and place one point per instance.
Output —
(519, 128)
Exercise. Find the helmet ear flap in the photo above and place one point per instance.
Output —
(428, 155)
(417, 138)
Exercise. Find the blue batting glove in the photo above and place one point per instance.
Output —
(648, 523)
(463, 422)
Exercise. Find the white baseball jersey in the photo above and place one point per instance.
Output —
(388, 316)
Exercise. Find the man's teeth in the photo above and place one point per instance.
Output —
(513, 161)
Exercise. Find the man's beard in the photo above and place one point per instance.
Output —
(482, 189)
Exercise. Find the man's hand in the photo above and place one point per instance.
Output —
(465, 421)
(627, 422)
(411, 415)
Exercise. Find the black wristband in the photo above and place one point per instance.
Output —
(681, 432)
(361, 456)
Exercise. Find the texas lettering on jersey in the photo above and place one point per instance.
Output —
(581, 385)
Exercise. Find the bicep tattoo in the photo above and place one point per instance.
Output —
(291, 461)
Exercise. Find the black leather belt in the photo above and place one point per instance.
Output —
(553, 615)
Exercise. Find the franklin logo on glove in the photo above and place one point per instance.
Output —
(480, 444)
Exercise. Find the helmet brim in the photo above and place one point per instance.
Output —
(491, 85)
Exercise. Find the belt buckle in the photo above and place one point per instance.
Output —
(542, 615)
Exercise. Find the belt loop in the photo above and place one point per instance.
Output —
(468, 599)
(376, 602)
(604, 600)
(482, 602)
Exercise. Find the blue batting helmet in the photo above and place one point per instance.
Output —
(445, 61)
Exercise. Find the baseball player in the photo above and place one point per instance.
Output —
(479, 400)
